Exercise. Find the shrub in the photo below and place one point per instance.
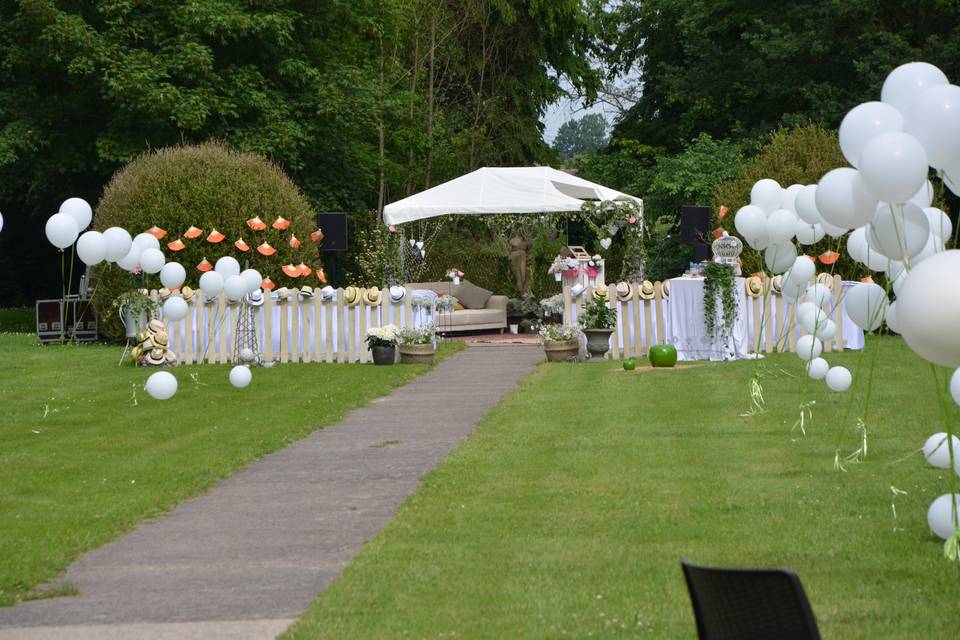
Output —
(208, 186)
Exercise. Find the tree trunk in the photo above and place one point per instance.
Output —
(433, 48)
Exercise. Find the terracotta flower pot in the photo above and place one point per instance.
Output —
(561, 350)
(416, 353)
(384, 355)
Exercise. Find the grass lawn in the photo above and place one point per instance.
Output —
(87, 454)
(567, 513)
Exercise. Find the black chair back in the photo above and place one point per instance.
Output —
(731, 604)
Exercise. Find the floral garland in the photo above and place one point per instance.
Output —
(609, 217)
(719, 285)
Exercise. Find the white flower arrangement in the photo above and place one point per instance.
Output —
(422, 302)
(446, 303)
(411, 335)
(595, 261)
(552, 306)
(454, 272)
(385, 336)
(559, 333)
(559, 264)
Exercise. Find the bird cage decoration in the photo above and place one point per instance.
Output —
(727, 250)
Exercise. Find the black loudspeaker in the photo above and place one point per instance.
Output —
(694, 223)
(701, 252)
(334, 227)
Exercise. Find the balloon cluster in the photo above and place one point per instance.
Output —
(884, 200)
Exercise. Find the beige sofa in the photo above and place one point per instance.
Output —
(492, 316)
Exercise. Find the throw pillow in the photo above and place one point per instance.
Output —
(471, 296)
(457, 306)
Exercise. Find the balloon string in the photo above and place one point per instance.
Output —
(63, 297)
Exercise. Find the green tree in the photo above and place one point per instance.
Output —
(580, 135)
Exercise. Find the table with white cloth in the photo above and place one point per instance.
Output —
(688, 332)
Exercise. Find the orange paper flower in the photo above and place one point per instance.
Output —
(294, 243)
(204, 265)
(215, 237)
(280, 223)
(176, 245)
(829, 257)
(256, 224)
(304, 270)
(240, 244)
(266, 250)
(268, 284)
(157, 232)
(291, 271)
(724, 211)
(717, 233)
(192, 232)
(321, 276)
(317, 235)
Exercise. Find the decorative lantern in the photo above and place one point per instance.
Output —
(726, 250)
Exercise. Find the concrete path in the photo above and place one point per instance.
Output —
(245, 560)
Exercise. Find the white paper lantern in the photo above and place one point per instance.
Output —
(809, 347)
(211, 283)
(252, 279)
(61, 230)
(928, 309)
(146, 241)
(766, 194)
(866, 304)
(940, 515)
(152, 260)
(779, 257)
(173, 275)
(227, 266)
(905, 83)
(175, 308)
(91, 248)
(894, 166)
(843, 199)
(79, 210)
(161, 385)
(118, 243)
(818, 368)
(240, 376)
(130, 261)
(234, 288)
(864, 122)
(838, 379)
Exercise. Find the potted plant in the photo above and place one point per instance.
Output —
(598, 320)
(382, 341)
(416, 345)
(560, 342)
(135, 307)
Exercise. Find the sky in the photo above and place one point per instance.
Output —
(567, 109)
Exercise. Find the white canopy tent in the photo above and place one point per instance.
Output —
(502, 190)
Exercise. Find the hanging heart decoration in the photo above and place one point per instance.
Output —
(605, 243)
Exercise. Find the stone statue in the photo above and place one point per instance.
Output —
(520, 262)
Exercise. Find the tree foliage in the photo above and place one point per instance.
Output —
(580, 135)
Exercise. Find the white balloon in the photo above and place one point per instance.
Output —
(937, 450)
(894, 166)
(61, 230)
(175, 308)
(211, 283)
(118, 243)
(861, 251)
(891, 317)
(759, 243)
(820, 295)
(802, 271)
(252, 278)
(899, 231)
(843, 199)
(161, 385)
(809, 347)
(951, 177)
(806, 204)
(827, 330)
(779, 257)
(79, 210)
(839, 379)
(1, 222)
(940, 515)
(832, 231)
(172, 275)
(865, 304)
(788, 200)
(862, 123)
(750, 222)
(813, 320)
(809, 233)
(928, 309)
(130, 261)
(934, 120)
(766, 194)
(227, 266)
(781, 225)
(955, 386)
(240, 376)
(91, 248)
(934, 246)
(905, 83)
(146, 241)
(152, 260)
(924, 197)
(791, 291)
(818, 368)
(940, 224)
(234, 288)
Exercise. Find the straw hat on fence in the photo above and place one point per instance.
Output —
(186, 292)
(577, 290)
(825, 279)
(600, 291)
(647, 290)
(326, 293)
(665, 289)
(306, 291)
(623, 291)
(255, 298)
(372, 297)
(776, 283)
(283, 294)
(156, 325)
(351, 296)
(754, 286)
(397, 293)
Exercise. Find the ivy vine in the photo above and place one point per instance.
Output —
(719, 285)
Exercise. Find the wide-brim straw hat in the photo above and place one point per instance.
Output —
(351, 296)
(156, 325)
(776, 283)
(306, 291)
(372, 296)
(186, 292)
(577, 290)
(170, 357)
(825, 279)
(623, 291)
(397, 293)
(754, 286)
(665, 288)
(600, 291)
(283, 293)
(646, 290)
(157, 357)
(326, 293)
(164, 293)
(161, 338)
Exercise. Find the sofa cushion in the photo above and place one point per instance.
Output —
(472, 296)
(469, 317)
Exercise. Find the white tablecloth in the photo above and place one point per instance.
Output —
(687, 331)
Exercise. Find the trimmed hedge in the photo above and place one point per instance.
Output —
(209, 186)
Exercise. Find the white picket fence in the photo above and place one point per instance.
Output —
(296, 329)
(642, 323)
